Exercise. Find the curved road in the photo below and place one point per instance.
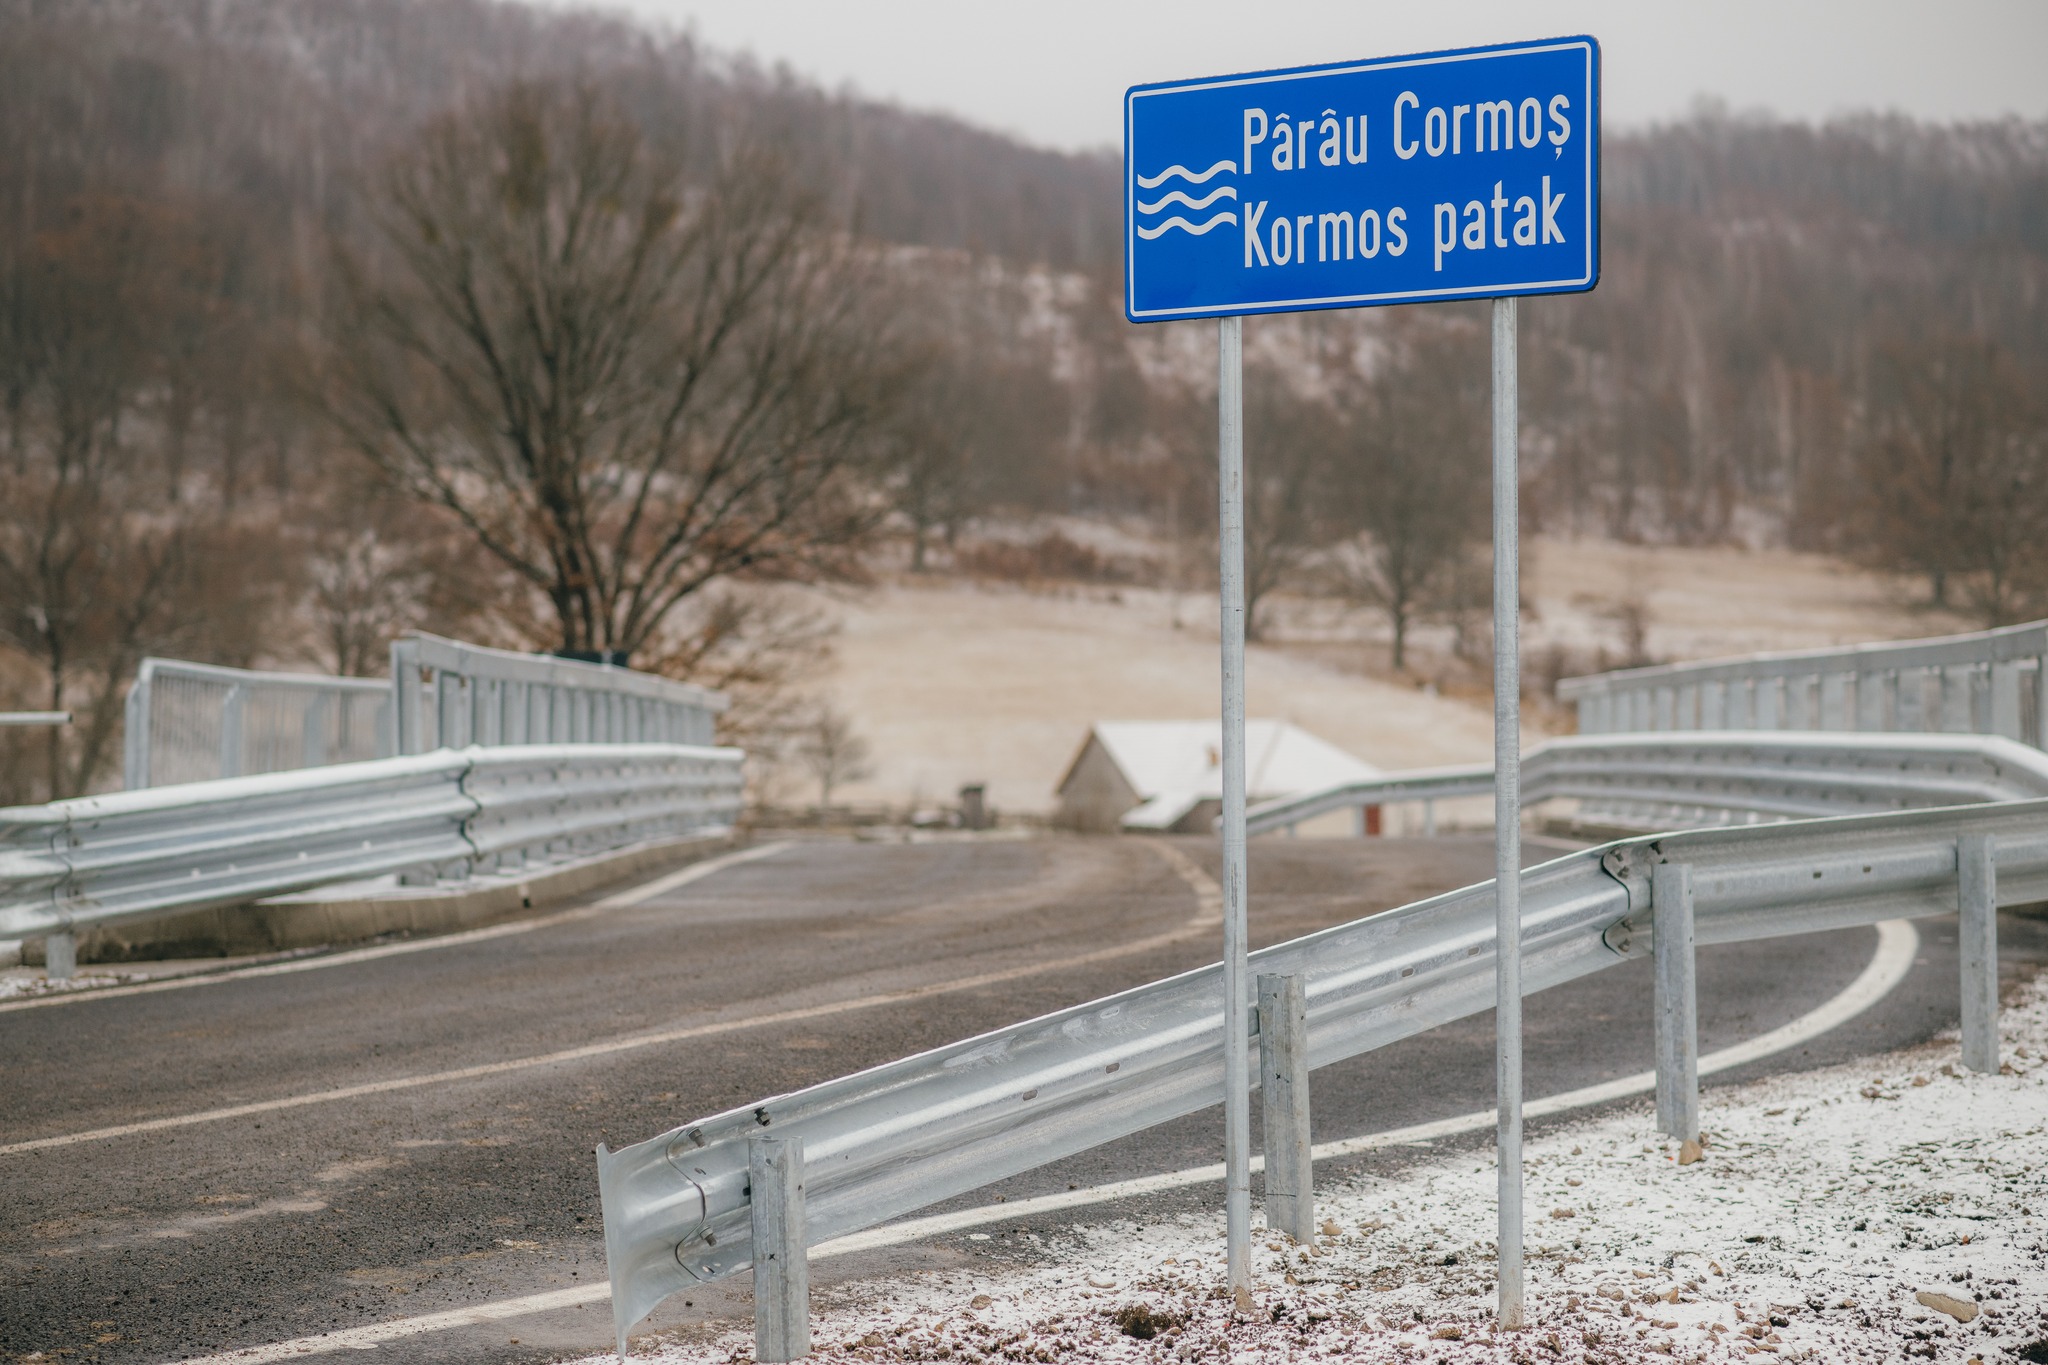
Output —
(397, 1132)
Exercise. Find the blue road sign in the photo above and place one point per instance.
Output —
(1445, 175)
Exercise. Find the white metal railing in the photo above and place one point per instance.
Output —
(1652, 781)
(99, 860)
(190, 722)
(451, 694)
(1987, 682)
(899, 1137)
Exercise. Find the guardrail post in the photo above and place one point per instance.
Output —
(2005, 700)
(313, 729)
(60, 957)
(2040, 739)
(135, 734)
(1977, 902)
(782, 1271)
(406, 723)
(1955, 687)
(1834, 702)
(232, 713)
(1798, 703)
(1283, 1084)
(1677, 1010)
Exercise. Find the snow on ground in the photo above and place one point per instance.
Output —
(1828, 1209)
(952, 681)
(19, 983)
(1712, 601)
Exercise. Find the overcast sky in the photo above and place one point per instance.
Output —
(1054, 71)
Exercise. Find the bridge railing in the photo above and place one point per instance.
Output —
(1652, 781)
(450, 694)
(1987, 682)
(188, 722)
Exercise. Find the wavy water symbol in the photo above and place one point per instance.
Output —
(1181, 197)
(1179, 222)
(1172, 197)
(1184, 173)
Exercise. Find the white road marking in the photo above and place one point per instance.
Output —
(371, 1337)
(1208, 899)
(1897, 941)
(667, 882)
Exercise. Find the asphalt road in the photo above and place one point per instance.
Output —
(407, 1198)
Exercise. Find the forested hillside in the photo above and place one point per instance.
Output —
(210, 240)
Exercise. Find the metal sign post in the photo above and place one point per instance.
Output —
(1237, 1099)
(1446, 175)
(1507, 811)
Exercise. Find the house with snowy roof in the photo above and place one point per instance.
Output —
(1166, 776)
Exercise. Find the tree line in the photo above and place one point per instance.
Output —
(323, 321)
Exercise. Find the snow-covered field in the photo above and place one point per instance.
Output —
(1893, 1210)
(951, 681)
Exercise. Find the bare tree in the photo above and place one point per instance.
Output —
(978, 416)
(111, 547)
(1954, 472)
(626, 386)
(378, 564)
(832, 753)
(1410, 480)
(759, 644)
(1290, 437)
(1289, 440)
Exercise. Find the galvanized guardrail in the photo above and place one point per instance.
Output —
(104, 859)
(1987, 682)
(1667, 781)
(451, 694)
(896, 1138)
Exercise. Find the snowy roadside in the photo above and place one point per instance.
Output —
(29, 983)
(1829, 1209)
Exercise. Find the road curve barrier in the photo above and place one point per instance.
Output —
(1985, 682)
(96, 860)
(1669, 781)
(884, 1142)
